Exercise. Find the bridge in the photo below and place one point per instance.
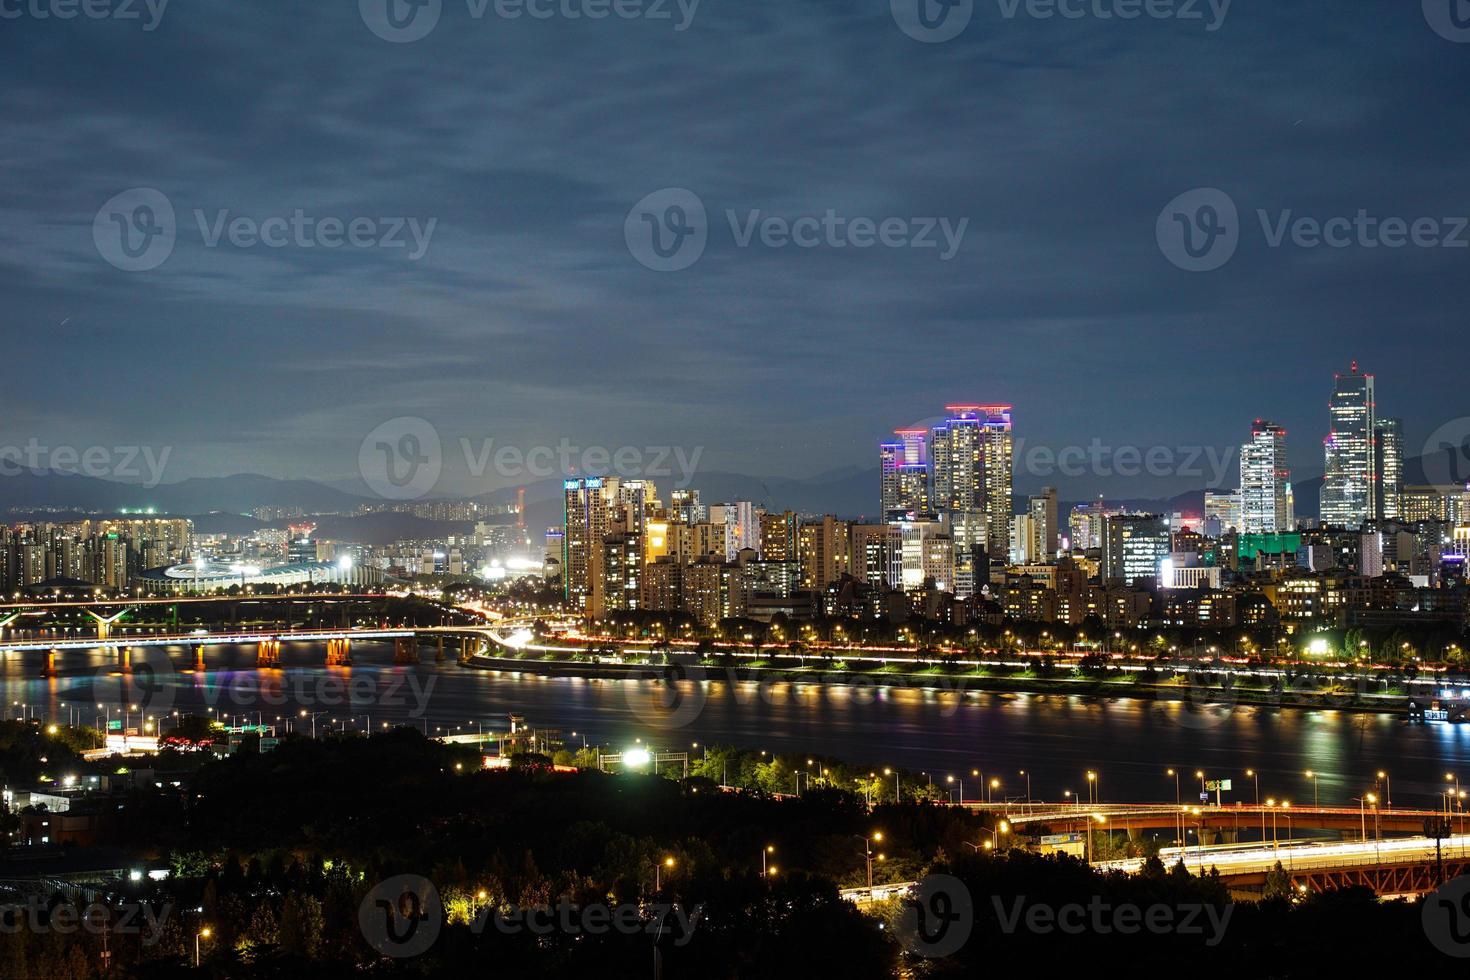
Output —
(407, 642)
(1226, 820)
(1394, 867)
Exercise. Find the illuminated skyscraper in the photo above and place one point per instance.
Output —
(1263, 480)
(1389, 463)
(1350, 486)
(591, 506)
(904, 465)
(973, 453)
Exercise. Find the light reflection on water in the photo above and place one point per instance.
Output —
(1057, 738)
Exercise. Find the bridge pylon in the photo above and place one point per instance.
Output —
(339, 652)
(464, 650)
(199, 664)
(268, 653)
(49, 668)
(406, 650)
(125, 659)
(439, 654)
(104, 623)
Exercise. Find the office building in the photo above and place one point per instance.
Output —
(1263, 480)
(1350, 484)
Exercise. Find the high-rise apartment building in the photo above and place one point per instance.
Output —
(822, 549)
(1350, 484)
(1043, 511)
(1388, 447)
(973, 454)
(904, 468)
(1263, 480)
(591, 506)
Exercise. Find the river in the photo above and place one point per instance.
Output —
(1057, 739)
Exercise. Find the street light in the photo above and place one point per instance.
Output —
(204, 933)
(875, 837)
(667, 862)
(765, 851)
(1027, 774)
(1316, 799)
(1387, 787)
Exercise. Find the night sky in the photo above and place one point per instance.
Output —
(1055, 142)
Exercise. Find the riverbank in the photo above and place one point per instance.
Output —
(1181, 688)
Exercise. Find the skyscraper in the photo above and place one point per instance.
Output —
(591, 507)
(973, 464)
(1350, 485)
(905, 474)
(1389, 462)
(1263, 480)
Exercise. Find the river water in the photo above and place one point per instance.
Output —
(1056, 738)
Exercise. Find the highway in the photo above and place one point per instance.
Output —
(1255, 859)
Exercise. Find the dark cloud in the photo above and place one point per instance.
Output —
(528, 321)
